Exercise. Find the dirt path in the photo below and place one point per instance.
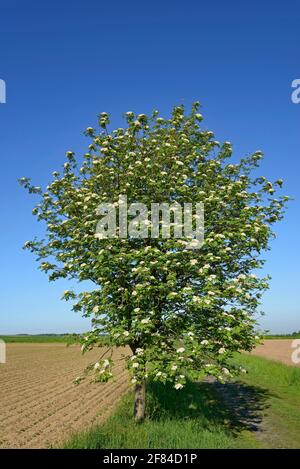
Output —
(39, 404)
(278, 349)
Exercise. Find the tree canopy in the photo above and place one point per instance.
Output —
(180, 310)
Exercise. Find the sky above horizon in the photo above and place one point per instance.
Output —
(65, 62)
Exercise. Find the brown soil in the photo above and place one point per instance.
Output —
(40, 406)
(278, 349)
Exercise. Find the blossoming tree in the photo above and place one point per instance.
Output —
(180, 311)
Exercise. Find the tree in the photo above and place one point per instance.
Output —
(181, 311)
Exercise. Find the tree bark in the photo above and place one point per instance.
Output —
(139, 402)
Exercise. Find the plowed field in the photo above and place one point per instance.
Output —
(40, 406)
(280, 350)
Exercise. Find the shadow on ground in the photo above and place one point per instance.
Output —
(236, 405)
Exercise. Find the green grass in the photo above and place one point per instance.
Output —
(282, 336)
(192, 418)
(43, 338)
(210, 415)
(282, 405)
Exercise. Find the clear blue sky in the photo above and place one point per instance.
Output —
(64, 62)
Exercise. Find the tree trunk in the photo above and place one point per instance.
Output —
(139, 402)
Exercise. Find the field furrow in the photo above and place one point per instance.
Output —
(40, 406)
